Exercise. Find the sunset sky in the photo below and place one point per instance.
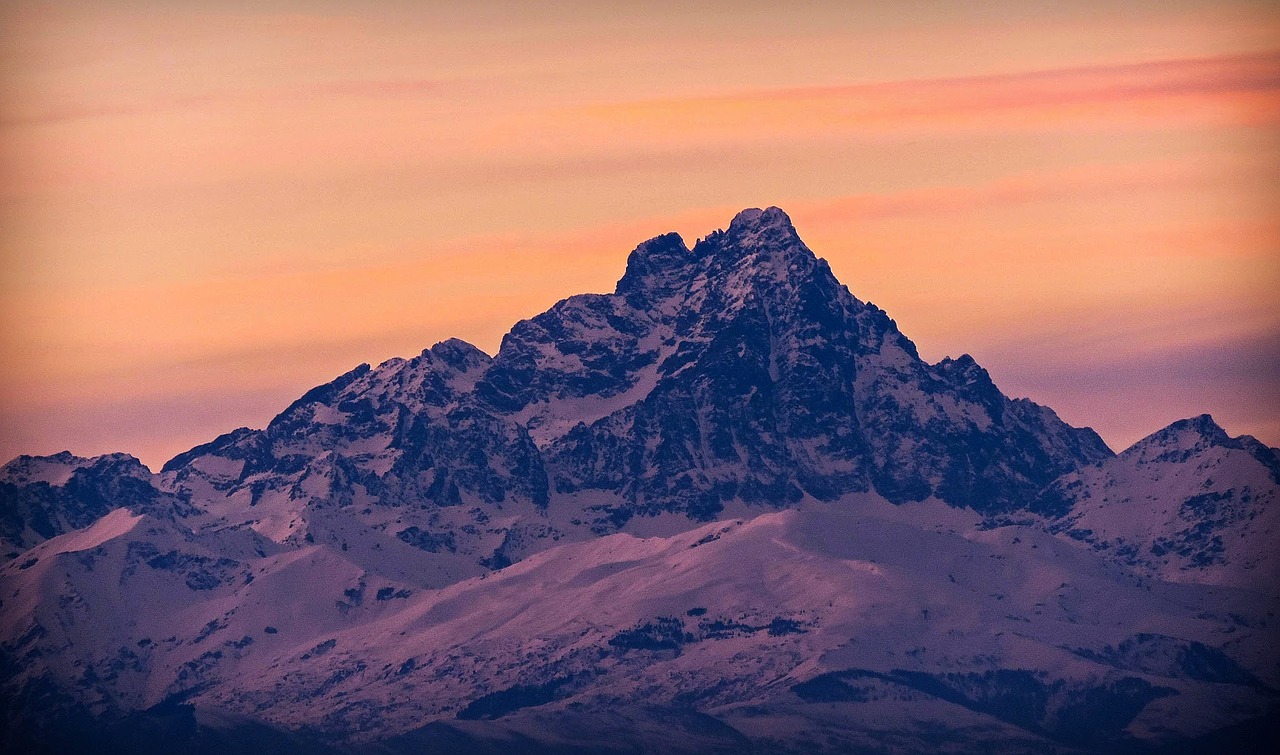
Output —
(207, 208)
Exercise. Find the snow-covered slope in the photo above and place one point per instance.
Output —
(1186, 504)
(848, 624)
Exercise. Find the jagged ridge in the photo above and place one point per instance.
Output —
(736, 370)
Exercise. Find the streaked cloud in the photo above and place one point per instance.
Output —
(1239, 88)
(326, 90)
(1097, 181)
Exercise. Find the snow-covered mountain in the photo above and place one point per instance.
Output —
(743, 370)
(736, 373)
(1186, 504)
(44, 496)
(726, 507)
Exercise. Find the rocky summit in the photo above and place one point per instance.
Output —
(727, 507)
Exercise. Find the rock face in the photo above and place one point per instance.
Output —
(727, 506)
(757, 376)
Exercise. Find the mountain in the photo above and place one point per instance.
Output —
(743, 370)
(45, 496)
(1186, 504)
(736, 373)
(727, 507)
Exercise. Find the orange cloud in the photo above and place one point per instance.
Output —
(29, 115)
(1239, 88)
(1094, 181)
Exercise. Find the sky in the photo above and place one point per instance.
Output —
(206, 208)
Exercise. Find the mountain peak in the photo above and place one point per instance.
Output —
(1201, 426)
(1196, 434)
(754, 219)
(664, 264)
(1188, 435)
(57, 468)
(657, 264)
(459, 354)
(965, 371)
(754, 229)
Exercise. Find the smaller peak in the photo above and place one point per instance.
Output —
(1203, 425)
(28, 468)
(114, 457)
(1266, 455)
(754, 219)
(56, 469)
(962, 362)
(119, 462)
(753, 230)
(453, 345)
(667, 250)
(963, 367)
(387, 365)
(1188, 435)
(658, 264)
(61, 457)
(459, 354)
(216, 447)
(670, 243)
(965, 372)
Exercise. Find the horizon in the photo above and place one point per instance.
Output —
(204, 217)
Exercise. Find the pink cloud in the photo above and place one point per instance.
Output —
(1197, 88)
